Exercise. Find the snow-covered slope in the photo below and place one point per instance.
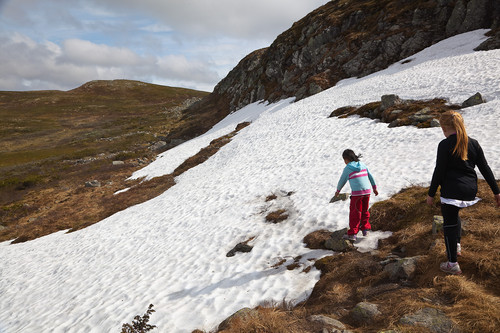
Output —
(171, 251)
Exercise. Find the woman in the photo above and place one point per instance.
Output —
(457, 157)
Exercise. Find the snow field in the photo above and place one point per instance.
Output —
(171, 250)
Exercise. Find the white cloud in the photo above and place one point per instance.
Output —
(26, 64)
(59, 44)
(239, 19)
(87, 53)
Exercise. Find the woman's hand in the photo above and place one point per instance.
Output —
(430, 200)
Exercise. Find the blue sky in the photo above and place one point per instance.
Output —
(60, 44)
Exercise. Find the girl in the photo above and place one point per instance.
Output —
(457, 157)
(361, 182)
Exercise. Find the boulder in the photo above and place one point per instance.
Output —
(404, 268)
(389, 101)
(473, 100)
(241, 314)
(434, 320)
(326, 321)
(337, 243)
(364, 312)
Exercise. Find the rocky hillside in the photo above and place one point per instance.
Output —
(342, 39)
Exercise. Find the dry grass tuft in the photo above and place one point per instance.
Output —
(473, 305)
(268, 318)
(277, 216)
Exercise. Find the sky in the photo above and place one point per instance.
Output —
(170, 251)
(59, 44)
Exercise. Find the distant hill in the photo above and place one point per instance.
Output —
(342, 39)
(55, 141)
(43, 124)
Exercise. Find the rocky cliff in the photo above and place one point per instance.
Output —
(343, 38)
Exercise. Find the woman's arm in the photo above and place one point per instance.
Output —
(440, 169)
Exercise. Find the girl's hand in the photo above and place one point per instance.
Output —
(497, 198)
(430, 200)
(376, 192)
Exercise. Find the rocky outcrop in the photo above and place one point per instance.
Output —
(344, 39)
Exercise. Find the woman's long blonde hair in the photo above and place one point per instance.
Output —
(453, 120)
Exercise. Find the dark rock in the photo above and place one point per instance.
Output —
(240, 247)
(337, 243)
(394, 123)
(473, 100)
(491, 43)
(433, 319)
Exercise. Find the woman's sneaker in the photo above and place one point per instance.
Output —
(450, 268)
(349, 237)
(459, 249)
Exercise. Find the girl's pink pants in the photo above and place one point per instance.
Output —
(359, 216)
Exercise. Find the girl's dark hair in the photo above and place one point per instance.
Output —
(349, 155)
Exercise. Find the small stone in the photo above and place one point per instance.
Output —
(437, 224)
(118, 163)
(324, 320)
(394, 123)
(240, 247)
(93, 183)
(402, 269)
(435, 123)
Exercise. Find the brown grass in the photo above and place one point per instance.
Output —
(70, 207)
(277, 216)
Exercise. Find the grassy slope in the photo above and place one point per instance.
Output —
(52, 142)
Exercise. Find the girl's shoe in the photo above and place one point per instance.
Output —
(450, 269)
(349, 237)
(459, 249)
(366, 232)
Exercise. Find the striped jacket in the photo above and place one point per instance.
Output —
(360, 179)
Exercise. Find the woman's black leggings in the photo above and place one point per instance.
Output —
(452, 229)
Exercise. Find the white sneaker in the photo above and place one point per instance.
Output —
(459, 249)
(450, 269)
